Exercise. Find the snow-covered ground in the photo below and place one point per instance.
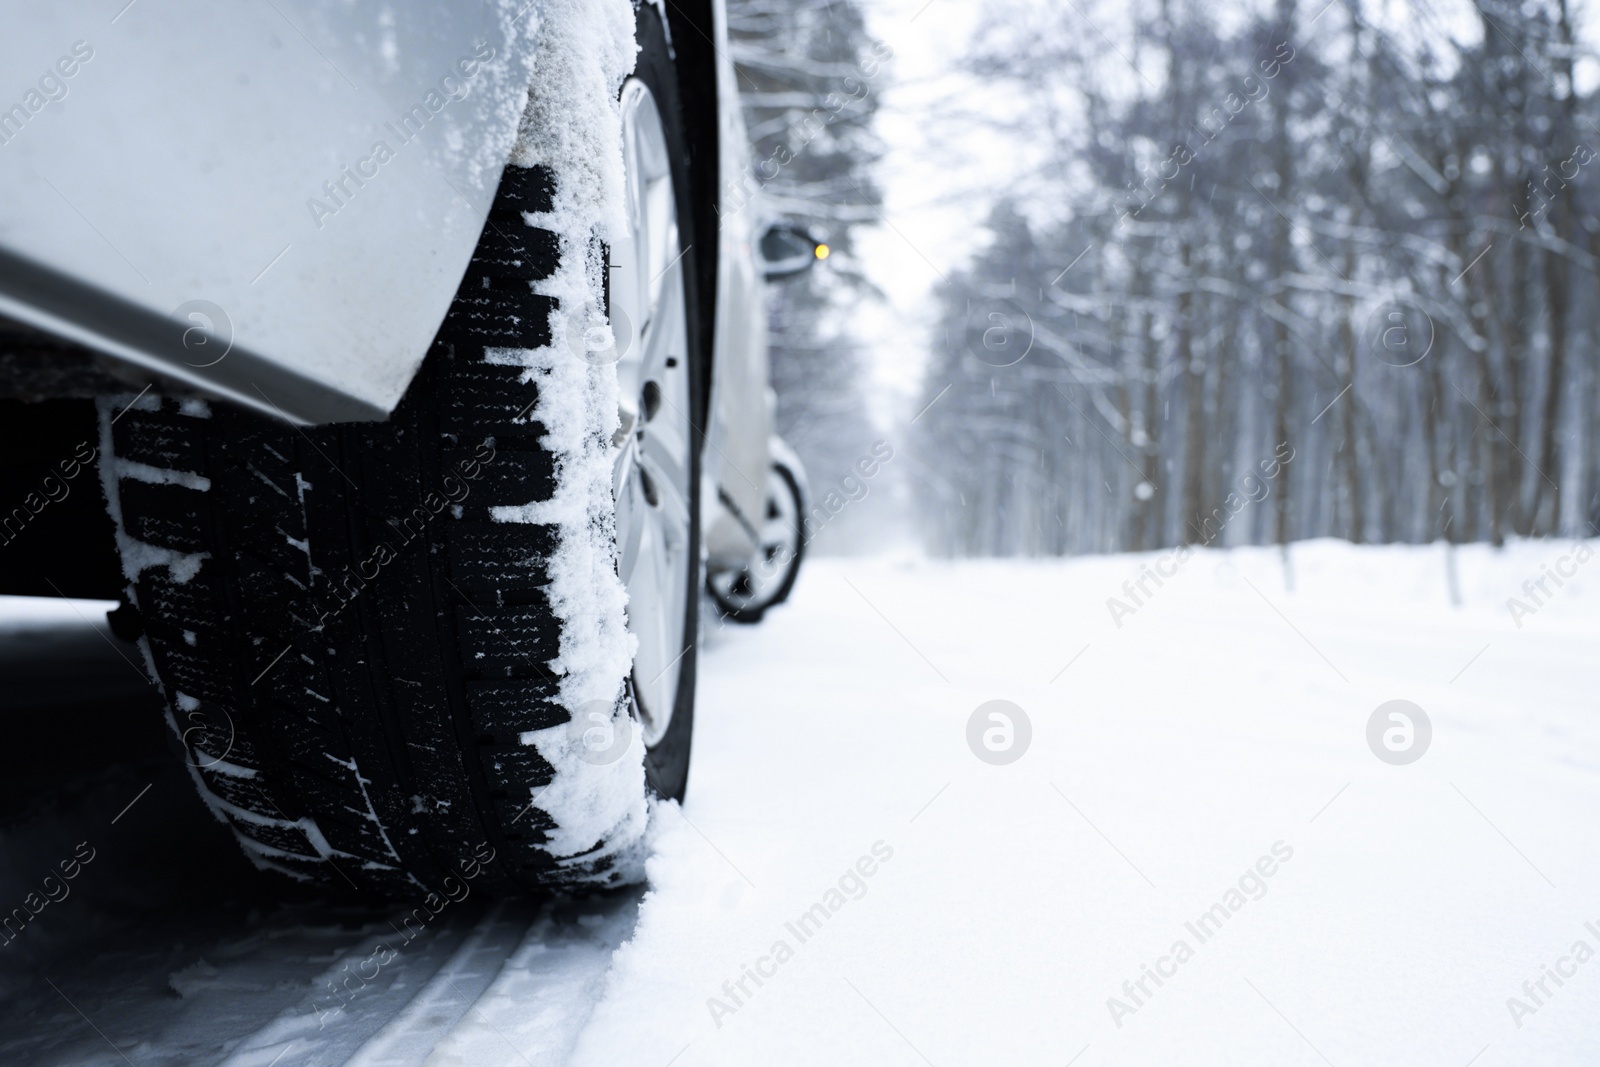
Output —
(1223, 722)
(1198, 859)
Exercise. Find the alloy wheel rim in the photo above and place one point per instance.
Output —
(779, 545)
(650, 477)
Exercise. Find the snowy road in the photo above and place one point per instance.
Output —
(1197, 859)
(165, 948)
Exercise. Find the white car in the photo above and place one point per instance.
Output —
(402, 368)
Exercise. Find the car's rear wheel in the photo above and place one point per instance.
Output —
(745, 594)
(393, 650)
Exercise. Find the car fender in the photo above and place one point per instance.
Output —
(272, 203)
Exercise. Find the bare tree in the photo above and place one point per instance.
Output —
(1334, 284)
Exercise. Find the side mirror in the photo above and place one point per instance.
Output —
(788, 250)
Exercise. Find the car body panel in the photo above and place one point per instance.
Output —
(740, 420)
(205, 193)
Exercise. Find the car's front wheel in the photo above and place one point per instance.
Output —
(395, 652)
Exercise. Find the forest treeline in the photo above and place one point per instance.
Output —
(1280, 275)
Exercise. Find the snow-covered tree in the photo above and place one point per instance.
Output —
(1284, 276)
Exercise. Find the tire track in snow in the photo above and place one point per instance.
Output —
(320, 1032)
(439, 1006)
(547, 991)
(515, 987)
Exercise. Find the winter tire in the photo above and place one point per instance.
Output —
(375, 638)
